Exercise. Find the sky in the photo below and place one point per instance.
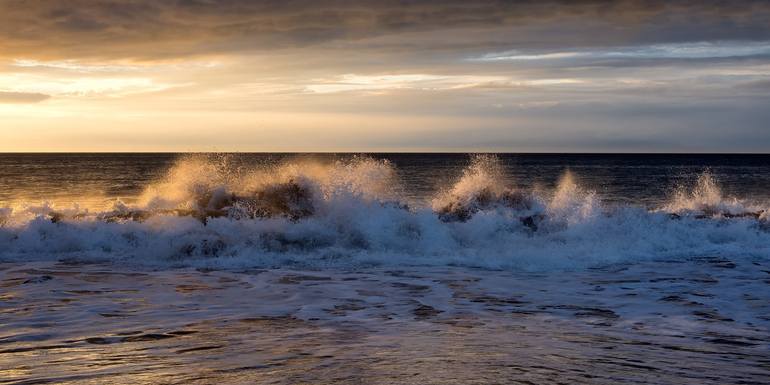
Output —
(360, 76)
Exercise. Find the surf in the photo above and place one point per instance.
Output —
(210, 211)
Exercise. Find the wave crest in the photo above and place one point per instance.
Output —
(202, 188)
(481, 187)
(705, 199)
(212, 211)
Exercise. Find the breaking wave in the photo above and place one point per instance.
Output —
(352, 213)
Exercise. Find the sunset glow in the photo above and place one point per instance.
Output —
(257, 76)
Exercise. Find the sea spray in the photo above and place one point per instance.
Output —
(352, 213)
(483, 186)
(705, 198)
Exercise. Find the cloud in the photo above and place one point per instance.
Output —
(70, 65)
(22, 97)
(51, 29)
(758, 85)
(700, 50)
(85, 67)
(427, 82)
(353, 82)
(521, 75)
(33, 87)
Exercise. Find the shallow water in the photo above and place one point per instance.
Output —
(702, 321)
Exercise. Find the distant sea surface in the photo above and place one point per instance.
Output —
(642, 178)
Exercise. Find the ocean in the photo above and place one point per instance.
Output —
(384, 268)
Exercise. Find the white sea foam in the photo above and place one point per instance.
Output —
(351, 213)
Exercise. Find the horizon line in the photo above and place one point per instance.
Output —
(388, 152)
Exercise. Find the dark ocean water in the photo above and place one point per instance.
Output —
(643, 179)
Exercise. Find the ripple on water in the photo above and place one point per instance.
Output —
(700, 322)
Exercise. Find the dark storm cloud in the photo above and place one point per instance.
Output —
(150, 28)
(22, 97)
